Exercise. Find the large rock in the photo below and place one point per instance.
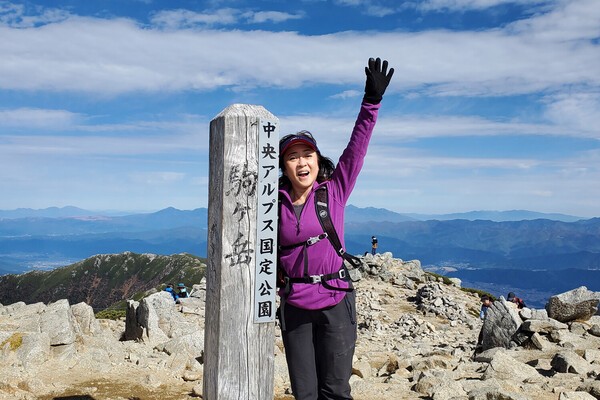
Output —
(58, 322)
(133, 330)
(575, 396)
(157, 319)
(438, 385)
(500, 325)
(543, 326)
(34, 350)
(42, 332)
(85, 318)
(576, 304)
(22, 317)
(188, 345)
(503, 367)
(568, 361)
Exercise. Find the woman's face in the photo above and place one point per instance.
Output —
(301, 166)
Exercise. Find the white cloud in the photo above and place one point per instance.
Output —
(578, 112)
(271, 16)
(156, 178)
(17, 16)
(380, 160)
(350, 2)
(186, 19)
(106, 140)
(395, 129)
(38, 118)
(183, 19)
(425, 184)
(379, 11)
(347, 94)
(387, 7)
(462, 5)
(570, 20)
(109, 57)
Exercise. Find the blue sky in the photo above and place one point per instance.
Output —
(495, 104)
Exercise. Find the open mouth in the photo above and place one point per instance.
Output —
(302, 174)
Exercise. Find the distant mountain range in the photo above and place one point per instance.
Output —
(497, 216)
(37, 240)
(354, 214)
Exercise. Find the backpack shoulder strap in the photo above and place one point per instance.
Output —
(322, 208)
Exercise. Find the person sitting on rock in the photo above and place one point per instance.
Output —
(514, 299)
(170, 289)
(486, 303)
(182, 291)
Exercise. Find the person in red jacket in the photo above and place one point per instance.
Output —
(317, 311)
(514, 299)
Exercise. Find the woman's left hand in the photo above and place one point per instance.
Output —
(378, 79)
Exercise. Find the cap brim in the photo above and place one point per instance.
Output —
(295, 141)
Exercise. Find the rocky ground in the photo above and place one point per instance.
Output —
(417, 339)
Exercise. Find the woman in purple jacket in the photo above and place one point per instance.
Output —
(317, 312)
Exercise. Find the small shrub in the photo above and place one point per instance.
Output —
(479, 293)
(445, 279)
(114, 314)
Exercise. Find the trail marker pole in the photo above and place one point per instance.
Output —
(242, 245)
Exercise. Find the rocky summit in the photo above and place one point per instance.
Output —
(417, 339)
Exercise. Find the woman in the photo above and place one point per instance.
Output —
(318, 315)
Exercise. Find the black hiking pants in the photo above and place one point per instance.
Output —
(319, 346)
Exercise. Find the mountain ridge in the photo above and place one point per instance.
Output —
(102, 280)
(537, 244)
(353, 212)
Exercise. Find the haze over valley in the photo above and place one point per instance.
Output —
(535, 255)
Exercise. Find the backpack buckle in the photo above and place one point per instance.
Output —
(316, 239)
(315, 279)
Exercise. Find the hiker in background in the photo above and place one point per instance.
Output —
(486, 303)
(182, 291)
(514, 299)
(170, 290)
(318, 311)
(373, 245)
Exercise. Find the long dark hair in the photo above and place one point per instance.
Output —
(326, 166)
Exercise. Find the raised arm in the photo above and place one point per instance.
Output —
(351, 160)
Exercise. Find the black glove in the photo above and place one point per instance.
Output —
(378, 80)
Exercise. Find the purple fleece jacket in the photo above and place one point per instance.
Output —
(322, 257)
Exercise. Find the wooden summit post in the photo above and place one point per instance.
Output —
(242, 245)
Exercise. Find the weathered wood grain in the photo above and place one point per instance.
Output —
(238, 354)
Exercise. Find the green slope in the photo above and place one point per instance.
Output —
(103, 280)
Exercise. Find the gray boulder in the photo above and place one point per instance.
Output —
(85, 318)
(570, 362)
(157, 319)
(576, 304)
(575, 396)
(500, 325)
(34, 350)
(543, 326)
(58, 322)
(133, 330)
(503, 367)
(494, 393)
